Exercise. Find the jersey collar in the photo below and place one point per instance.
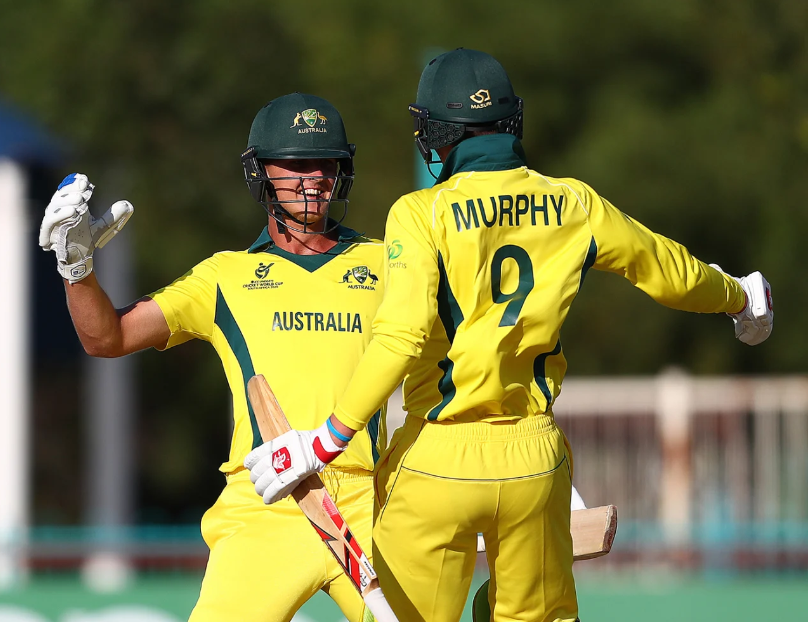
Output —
(264, 242)
(346, 236)
(491, 152)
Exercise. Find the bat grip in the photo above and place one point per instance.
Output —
(376, 603)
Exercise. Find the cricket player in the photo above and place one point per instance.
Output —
(482, 269)
(296, 306)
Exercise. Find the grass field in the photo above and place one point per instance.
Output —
(734, 600)
(169, 598)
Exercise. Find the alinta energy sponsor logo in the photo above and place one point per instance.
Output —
(262, 281)
(310, 117)
(481, 99)
(361, 274)
(395, 249)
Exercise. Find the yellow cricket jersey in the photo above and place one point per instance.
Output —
(482, 270)
(303, 321)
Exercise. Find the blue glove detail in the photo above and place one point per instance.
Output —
(67, 181)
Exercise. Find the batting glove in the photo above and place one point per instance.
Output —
(576, 501)
(754, 323)
(281, 464)
(69, 229)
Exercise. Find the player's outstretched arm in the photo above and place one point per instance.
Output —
(74, 234)
(108, 332)
(662, 268)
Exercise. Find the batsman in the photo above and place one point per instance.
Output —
(482, 270)
(296, 306)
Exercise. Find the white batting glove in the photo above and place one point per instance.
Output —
(755, 322)
(576, 502)
(281, 464)
(69, 229)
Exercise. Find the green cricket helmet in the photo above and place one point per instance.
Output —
(298, 127)
(463, 91)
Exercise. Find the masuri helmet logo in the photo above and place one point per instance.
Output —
(481, 96)
(481, 99)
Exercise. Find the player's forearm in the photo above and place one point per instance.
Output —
(662, 268)
(341, 433)
(95, 319)
(108, 332)
(687, 284)
(675, 278)
(378, 374)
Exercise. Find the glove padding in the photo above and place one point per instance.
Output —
(754, 323)
(69, 229)
(280, 465)
(576, 501)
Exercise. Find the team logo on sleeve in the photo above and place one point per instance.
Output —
(361, 274)
(281, 460)
(262, 281)
(310, 117)
(394, 251)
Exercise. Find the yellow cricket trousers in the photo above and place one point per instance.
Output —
(440, 483)
(265, 562)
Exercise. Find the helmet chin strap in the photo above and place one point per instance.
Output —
(280, 228)
(428, 161)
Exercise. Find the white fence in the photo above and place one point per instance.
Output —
(706, 473)
(704, 470)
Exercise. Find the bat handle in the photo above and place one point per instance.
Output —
(376, 603)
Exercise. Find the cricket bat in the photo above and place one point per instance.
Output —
(320, 509)
(593, 532)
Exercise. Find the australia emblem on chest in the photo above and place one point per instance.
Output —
(360, 277)
(260, 278)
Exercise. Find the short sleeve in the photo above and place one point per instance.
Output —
(189, 302)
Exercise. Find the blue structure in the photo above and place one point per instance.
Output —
(22, 140)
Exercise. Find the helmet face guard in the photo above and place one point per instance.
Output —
(432, 134)
(262, 189)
